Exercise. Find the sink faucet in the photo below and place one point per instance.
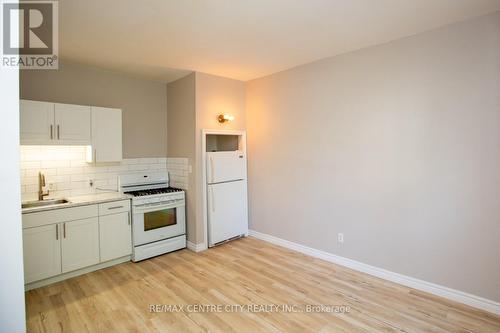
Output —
(41, 184)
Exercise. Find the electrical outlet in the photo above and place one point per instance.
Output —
(340, 237)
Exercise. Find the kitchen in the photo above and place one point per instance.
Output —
(264, 166)
(97, 185)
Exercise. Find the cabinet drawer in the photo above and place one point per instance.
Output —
(59, 215)
(114, 207)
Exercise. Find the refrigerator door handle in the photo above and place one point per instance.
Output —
(213, 201)
(211, 169)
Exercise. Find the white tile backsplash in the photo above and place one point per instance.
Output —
(178, 171)
(68, 174)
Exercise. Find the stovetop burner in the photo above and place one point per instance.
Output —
(162, 190)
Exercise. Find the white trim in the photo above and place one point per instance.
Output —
(451, 294)
(65, 276)
(196, 247)
(204, 133)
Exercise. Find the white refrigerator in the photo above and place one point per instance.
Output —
(227, 209)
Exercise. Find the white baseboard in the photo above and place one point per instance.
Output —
(452, 294)
(196, 247)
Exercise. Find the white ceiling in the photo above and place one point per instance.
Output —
(241, 39)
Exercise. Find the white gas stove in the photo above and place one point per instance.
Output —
(158, 214)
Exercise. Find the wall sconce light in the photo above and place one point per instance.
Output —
(222, 118)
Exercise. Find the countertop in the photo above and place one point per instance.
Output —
(81, 200)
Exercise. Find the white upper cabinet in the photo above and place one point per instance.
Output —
(106, 134)
(36, 122)
(72, 123)
(44, 123)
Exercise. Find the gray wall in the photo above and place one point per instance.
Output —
(397, 146)
(144, 103)
(181, 137)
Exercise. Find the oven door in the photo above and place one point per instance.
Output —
(153, 222)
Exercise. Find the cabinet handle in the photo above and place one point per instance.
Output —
(128, 218)
(115, 207)
(57, 232)
(51, 132)
(95, 155)
(58, 132)
(64, 230)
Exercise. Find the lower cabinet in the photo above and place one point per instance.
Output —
(115, 236)
(42, 252)
(80, 244)
(64, 240)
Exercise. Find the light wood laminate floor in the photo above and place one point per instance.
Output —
(246, 271)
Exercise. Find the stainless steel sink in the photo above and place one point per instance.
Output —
(44, 203)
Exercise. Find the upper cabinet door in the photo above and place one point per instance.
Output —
(72, 124)
(36, 122)
(107, 134)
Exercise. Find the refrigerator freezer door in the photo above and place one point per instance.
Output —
(226, 166)
(227, 211)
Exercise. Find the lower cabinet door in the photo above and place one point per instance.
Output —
(80, 244)
(115, 236)
(42, 252)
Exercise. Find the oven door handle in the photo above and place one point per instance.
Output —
(157, 207)
(155, 204)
